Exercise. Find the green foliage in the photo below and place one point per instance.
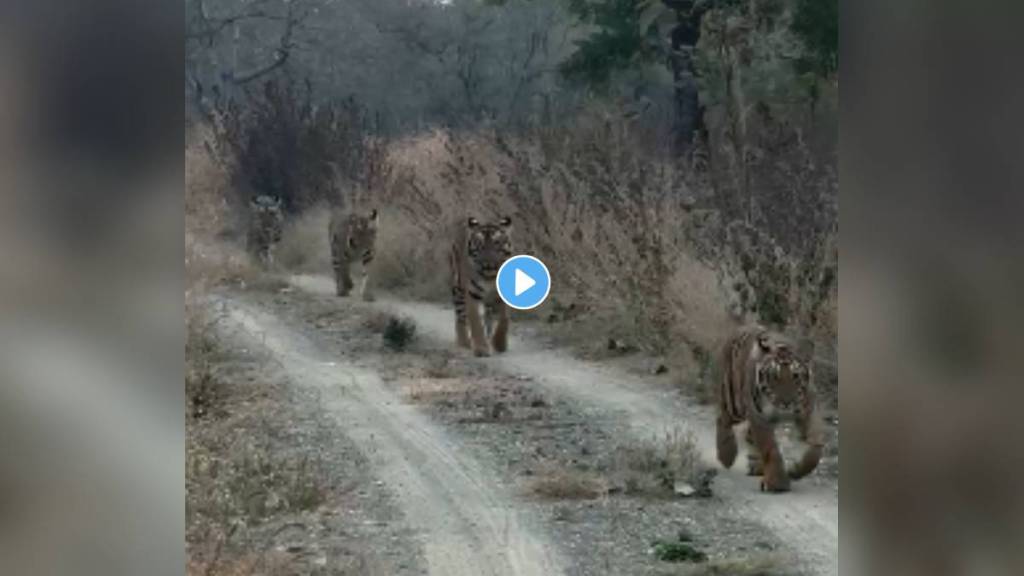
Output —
(679, 551)
(399, 333)
(618, 42)
(816, 23)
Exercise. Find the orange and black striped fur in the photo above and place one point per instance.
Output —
(478, 250)
(265, 223)
(352, 238)
(764, 383)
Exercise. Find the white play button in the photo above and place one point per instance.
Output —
(523, 282)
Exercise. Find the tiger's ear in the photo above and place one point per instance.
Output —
(763, 342)
(472, 222)
(506, 222)
(374, 217)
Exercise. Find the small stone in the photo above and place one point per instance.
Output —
(684, 489)
(658, 368)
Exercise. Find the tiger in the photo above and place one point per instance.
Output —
(265, 224)
(353, 238)
(478, 251)
(764, 383)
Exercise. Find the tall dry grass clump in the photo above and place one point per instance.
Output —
(280, 140)
(304, 245)
(210, 219)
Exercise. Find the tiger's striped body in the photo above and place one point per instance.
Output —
(353, 238)
(478, 251)
(265, 225)
(763, 384)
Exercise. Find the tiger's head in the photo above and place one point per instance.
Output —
(266, 209)
(489, 245)
(781, 379)
(362, 230)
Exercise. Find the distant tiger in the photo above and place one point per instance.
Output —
(353, 238)
(265, 224)
(764, 383)
(478, 250)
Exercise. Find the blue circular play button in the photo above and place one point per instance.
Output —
(523, 282)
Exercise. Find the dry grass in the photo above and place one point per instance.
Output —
(558, 482)
(304, 245)
(245, 465)
(207, 188)
(433, 390)
(377, 321)
(655, 466)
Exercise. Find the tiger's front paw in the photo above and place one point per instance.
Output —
(481, 352)
(368, 297)
(775, 486)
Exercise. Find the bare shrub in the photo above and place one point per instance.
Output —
(201, 353)
(207, 187)
(280, 142)
(655, 466)
(561, 483)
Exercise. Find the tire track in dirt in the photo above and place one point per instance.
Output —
(806, 518)
(466, 526)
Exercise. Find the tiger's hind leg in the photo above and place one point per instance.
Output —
(725, 440)
(755, 467)
(775, 478)
(461, 326)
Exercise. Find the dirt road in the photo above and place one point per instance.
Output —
(466, 526)
(806, 519)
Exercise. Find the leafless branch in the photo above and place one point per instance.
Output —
(207, 28)
(282, 53)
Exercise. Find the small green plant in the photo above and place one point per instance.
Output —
(399, 333)
(679, 551)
